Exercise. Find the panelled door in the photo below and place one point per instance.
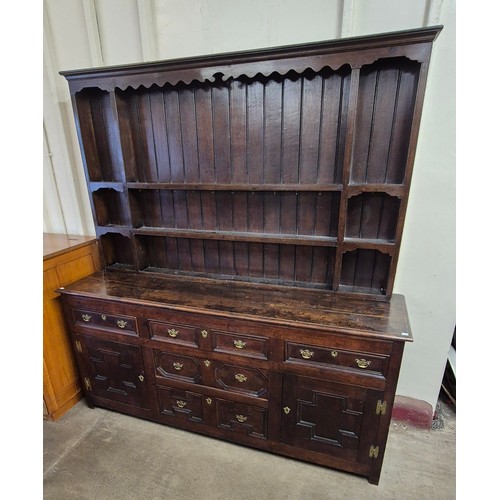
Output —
(113, 371)
(330, 418)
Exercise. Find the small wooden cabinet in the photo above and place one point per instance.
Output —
(66, 258)
(250, 209)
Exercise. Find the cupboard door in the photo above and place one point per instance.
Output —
(326, 417)
(112, 371)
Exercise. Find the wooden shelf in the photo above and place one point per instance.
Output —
(361, 290)
(381, 245)
(286, 239)
(235, 278)
(390, 189)
(235, 187)
(97, 185)
(115, 229)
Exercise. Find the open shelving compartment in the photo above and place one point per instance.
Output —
(297, 176)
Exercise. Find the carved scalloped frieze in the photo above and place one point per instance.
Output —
(209, 74)
(355, 52)
(146, 76)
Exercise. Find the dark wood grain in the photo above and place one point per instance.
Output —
(251, 299)
(250, 209)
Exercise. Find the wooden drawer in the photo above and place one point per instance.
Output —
(241, 344)
(189, 409)
(177, 367)
(181, 407)
(175, 333)
(210, 373)
(102, 319)
(331, 356)
(248, 381)
(241, 418)
(210, 334)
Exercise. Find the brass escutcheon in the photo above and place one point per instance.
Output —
(286, 410)
(334, 354)
(177, 365)
(141, 378)
(103, 317)
(209, 401)
(306, 353)
(240, 377)
(204, 334)
(207, 363)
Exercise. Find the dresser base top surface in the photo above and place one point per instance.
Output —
(273, 304)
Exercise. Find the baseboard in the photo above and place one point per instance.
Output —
(413, 412)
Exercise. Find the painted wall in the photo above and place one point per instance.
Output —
(86, 33)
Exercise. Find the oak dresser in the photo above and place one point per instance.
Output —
(250, 209)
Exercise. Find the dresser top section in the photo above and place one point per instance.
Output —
(276, 304)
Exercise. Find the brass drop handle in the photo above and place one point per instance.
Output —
(239, 344)
(173, 333)
(181, 404)
(121, 323)
(306, 353)
(241, 418)
(86, 317)
(363, 363)
(177, 365)
(240, 377)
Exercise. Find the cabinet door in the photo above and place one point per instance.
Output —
(330, 418)
(112, 371)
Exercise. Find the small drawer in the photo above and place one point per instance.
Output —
(174, 366)
(241, 344)
(179, 405)
(313, 354)
(249, 381)
(242, 419)
(101, 319)
(175, 333)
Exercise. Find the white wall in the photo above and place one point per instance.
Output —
(86, 33)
